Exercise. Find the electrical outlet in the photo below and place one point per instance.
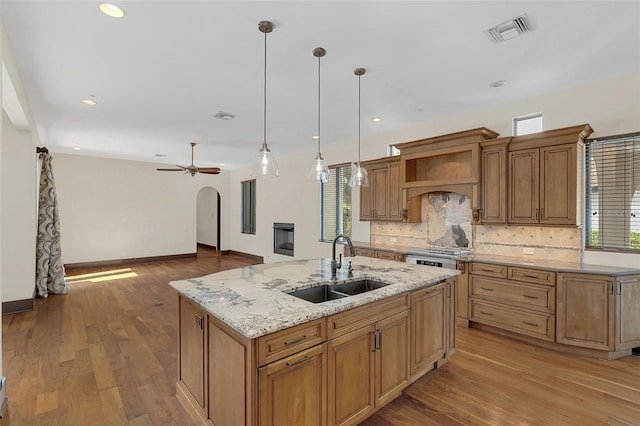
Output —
(527, 250)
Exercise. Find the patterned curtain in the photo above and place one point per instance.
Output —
(50, 276)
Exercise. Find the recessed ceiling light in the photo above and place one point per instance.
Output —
(111, 10)
(89, 102)
(498, 83)
(76, 148)
(376, 119)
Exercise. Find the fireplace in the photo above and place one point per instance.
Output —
(283, 238)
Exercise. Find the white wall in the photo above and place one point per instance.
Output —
(19, 212)
(610, 107)
(115, 209)
(207, 217)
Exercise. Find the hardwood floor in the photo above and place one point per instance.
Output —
(105, 354)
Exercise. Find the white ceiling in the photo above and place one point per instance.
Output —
(162, 72)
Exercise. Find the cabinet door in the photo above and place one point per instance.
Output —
(558, 185)
(628, 313)
(427, 337)
(366, 201)
(350, 382)
(450, 318)
(391, 363)
(192, 338)
(524, 182)
(494, 185)
(394, 198)
(378, 182)
(584, 312)
(292, 391)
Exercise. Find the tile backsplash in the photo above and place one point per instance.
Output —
(446, 221)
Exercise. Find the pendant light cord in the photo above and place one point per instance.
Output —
(319, 103)
(359, 120)
(264, 115)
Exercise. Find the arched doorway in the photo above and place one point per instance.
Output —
(208, 218)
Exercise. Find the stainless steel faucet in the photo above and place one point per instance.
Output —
(334, 264)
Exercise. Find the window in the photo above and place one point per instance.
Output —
(248, 206)
(392, 150)
(335, 203)
(612, 195)
(526, 124)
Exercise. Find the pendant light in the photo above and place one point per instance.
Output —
(320, 170)
(265, 164)
(359, 175)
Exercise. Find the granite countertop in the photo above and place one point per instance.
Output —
(575, 267)
(253, 299)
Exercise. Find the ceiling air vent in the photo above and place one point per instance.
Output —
(509, 29)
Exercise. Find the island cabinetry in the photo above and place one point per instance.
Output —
(293, 390)
(368, 360)
(381, 200)
(427, 338)
(192, 366)
(598, 311)
(493, 182)
(517, 299)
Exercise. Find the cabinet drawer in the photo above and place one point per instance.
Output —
(347, 321)
(530, 323)
(280, 344)
(488, 270)
(531, 296)
(532, 275)
(388, 255)
(363, 252)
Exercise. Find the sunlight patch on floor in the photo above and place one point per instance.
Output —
(95, 277)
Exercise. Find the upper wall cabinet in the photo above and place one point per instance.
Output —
(493, 182)
(543, 176)
(382, 200)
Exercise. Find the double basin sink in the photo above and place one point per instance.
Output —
(326, 292)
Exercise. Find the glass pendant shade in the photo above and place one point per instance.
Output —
(320, 171)
(359, 176)
(265, 164)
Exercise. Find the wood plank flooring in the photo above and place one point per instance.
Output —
(105, 354)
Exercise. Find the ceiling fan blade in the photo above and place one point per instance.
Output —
(170, 170)
(209, 170)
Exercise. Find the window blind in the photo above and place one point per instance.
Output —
(335, 205)
(612, 198)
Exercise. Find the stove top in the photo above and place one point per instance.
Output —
(448, 251)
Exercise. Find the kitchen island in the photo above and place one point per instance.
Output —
(250, 353)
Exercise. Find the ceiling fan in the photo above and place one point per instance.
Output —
(193, 169)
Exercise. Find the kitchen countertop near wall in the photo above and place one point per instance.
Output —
(576, 267)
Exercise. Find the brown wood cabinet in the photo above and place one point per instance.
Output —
(368, 364)
(427, 343)
(493, 182)
(379, 254)
(517, 299)
(381, 200)
(598, 311)
(192, 350)
(297, 381)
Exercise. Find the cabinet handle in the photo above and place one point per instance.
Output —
(541, 214)
(487, 270)
(199, 321)
(619, 291)
(530, 297)
(298, 340)
(530, 323)
(375, 341)
(489, 314)
(487, 288)
(535, 277)
(289, 364)
(379, 340)
(537, 214)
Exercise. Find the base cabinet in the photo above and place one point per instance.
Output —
(293, 390)
(427, 344)
(192, 350)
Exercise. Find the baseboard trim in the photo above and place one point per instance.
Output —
(133, 260)
(247, 255)
(207, 246)
(15, 306)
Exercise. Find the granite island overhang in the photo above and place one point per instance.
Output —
(254, 301)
